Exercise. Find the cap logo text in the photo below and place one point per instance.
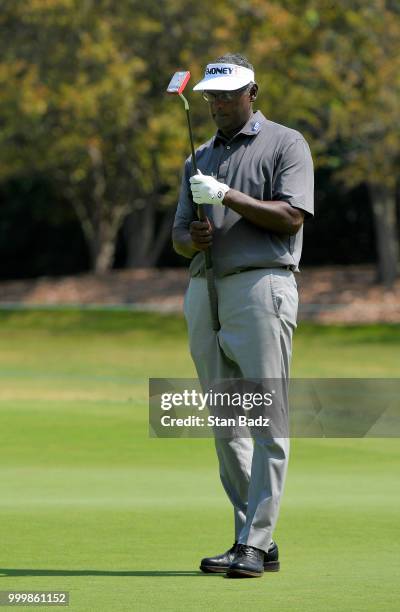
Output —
(219, 70)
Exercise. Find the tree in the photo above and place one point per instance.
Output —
(333, 71)
(84, 101)
(84, 85)
(366, 118)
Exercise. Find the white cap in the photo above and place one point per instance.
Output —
(224, 77)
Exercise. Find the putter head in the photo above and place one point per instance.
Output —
(178, 82)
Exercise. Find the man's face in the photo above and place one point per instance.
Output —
(231, 110)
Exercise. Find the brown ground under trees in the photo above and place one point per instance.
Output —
(327, 294)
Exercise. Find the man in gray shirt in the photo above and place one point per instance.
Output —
(255, 182)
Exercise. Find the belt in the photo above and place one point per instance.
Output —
(291, 268)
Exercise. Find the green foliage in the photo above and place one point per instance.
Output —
(333, 71)
(83, 87)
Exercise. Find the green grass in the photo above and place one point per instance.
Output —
(91, 505)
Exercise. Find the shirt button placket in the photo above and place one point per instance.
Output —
(224, 165)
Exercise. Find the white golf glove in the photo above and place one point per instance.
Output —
(207, 190)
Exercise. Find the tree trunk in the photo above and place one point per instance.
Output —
(101, 245)
(383, 203)
(139, 231)
(104, 255)
(163, 236)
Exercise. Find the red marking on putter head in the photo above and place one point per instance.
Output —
(178, 82)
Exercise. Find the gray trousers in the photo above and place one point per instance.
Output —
(257, 310)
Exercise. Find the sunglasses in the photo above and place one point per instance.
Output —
(224, 96)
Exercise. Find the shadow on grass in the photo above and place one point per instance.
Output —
(49, 572)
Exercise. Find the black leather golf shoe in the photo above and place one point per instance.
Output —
(219, 563)
(271, 558)
(247, 563)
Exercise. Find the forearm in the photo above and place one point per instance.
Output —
(183, 244)
(275, 216)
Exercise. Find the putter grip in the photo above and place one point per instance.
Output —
(212, 291)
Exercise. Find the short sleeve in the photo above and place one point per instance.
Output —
(294, 176)
(185, 211)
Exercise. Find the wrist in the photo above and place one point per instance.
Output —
(221, 192)
(184, 245)
(227, 199)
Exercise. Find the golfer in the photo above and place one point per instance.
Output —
(255, 178)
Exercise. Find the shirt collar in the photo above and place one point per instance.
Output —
(251, 128)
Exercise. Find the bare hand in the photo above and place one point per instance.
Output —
(201, 234)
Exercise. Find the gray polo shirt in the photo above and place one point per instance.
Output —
(267, 161)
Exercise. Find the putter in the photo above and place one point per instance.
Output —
(176, 86)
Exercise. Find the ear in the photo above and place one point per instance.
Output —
(253, 92)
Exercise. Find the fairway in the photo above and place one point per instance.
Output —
(91, 505)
